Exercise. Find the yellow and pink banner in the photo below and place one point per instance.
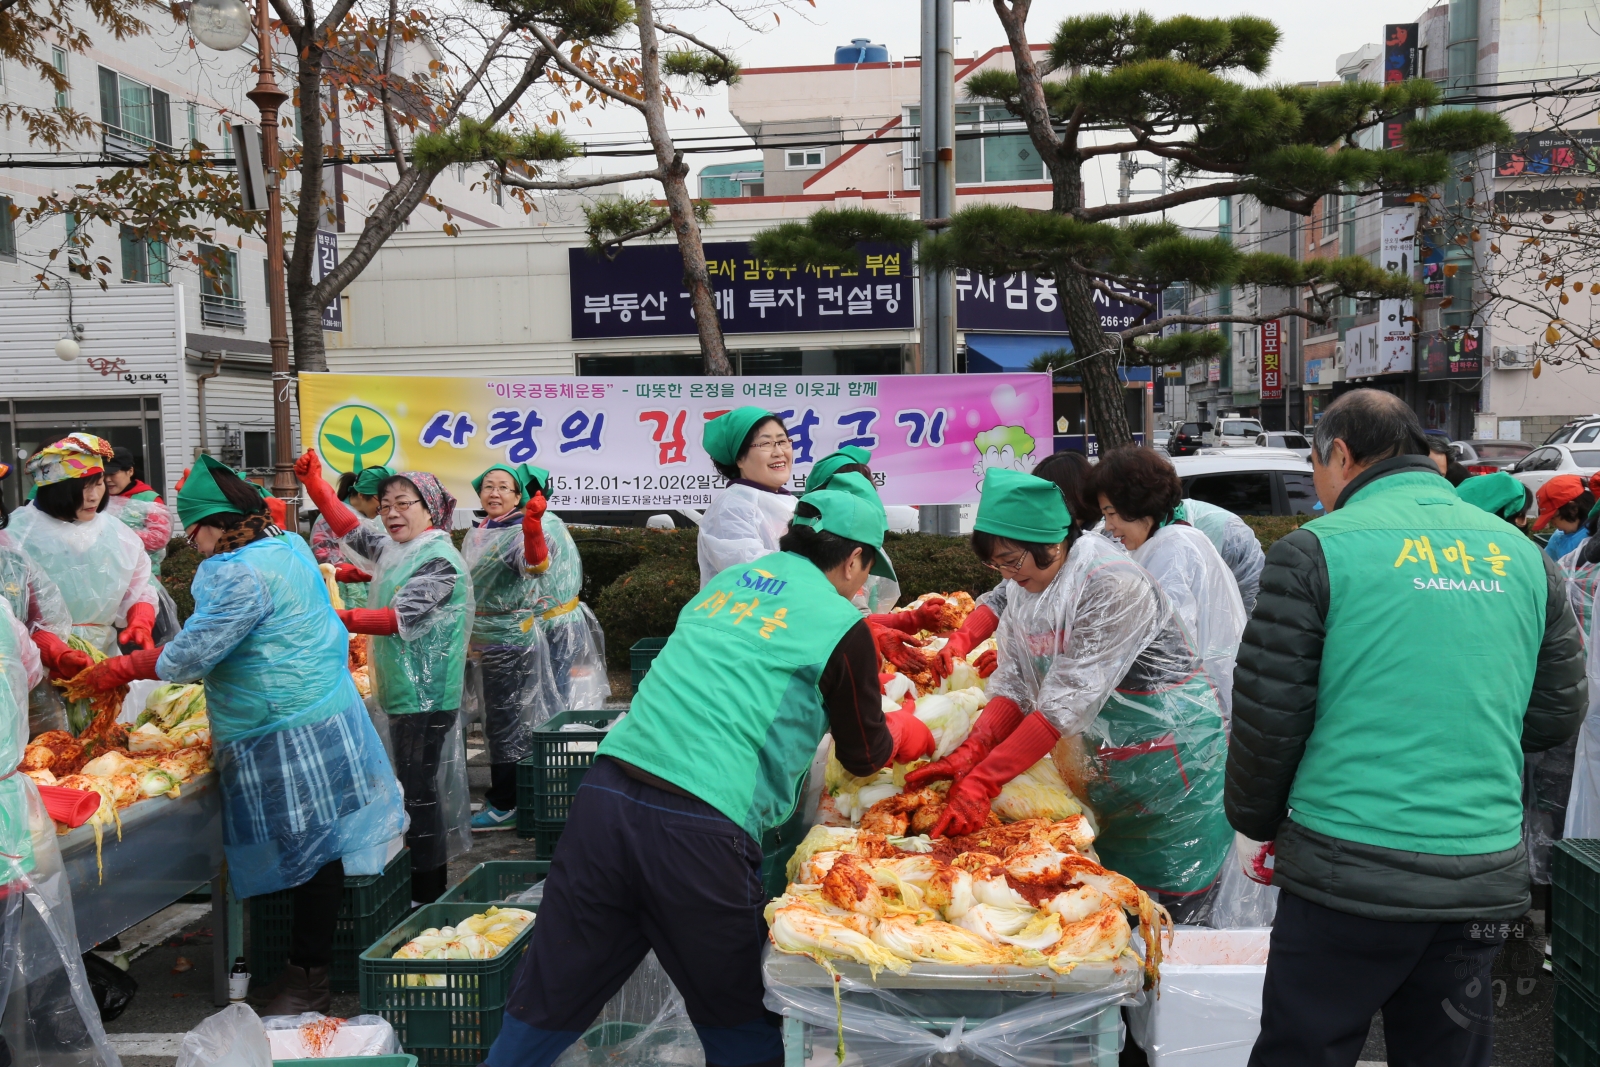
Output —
(630, 443)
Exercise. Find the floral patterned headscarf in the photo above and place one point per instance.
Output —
(435, 497)
(78, 455)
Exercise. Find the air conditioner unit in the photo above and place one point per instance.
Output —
(1512, 357)
(1338, 355)
(1336, 372)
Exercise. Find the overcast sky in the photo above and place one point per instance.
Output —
(1314, 36)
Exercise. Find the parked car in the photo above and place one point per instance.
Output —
(1547, 461)
(1188, 438)
(1581, 431)
(1234, 432)
(1159, 438)
(1250, 481)
(1489, 457)
(1292, 441)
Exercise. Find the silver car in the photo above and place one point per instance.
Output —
(1294, 442)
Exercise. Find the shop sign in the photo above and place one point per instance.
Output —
(1447, 355)
(1027, 303)
(615, 443)
(1272, 360)
(327, 259)
(641, 293)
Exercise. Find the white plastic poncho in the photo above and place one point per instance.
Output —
(1235, 542)
(150, 521)
(1101, 653)
(577, 643)
(1583, 804)
(1202, 592)
(100, 567)
(741, 525)
(33, 595)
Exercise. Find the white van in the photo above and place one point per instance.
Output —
(1234, 431)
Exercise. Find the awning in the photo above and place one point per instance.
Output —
(1010, 353)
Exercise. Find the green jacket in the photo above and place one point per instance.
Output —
(1384, 696)
(731, 711)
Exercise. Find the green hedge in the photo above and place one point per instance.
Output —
(1269, 528)
(930, 563)
(644, 602)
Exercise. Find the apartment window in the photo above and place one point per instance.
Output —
(1330, 215)
(8, 230)
(803, 159)
(136, 117)
(992, 147)
(258, 450)
(143, 260)
(194, 124)
(220, 304)
(58, 60)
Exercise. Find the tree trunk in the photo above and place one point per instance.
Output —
(680, 206)
(305, 319)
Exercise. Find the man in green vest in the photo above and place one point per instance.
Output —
(662, 849)
(1383, 772)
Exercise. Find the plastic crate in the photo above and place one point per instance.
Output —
(442, 1025)
(371, 905)
(495, 881)
(549, 775)
(642, 654)
(1575, 913)
(1577, 1025)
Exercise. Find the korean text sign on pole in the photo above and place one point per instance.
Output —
(1272, 360)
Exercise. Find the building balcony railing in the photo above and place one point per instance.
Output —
(218, 310)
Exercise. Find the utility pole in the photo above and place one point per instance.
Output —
(939, 202)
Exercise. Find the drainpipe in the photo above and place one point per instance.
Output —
(200, 389)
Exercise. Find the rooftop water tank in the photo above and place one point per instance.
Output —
(860, 50)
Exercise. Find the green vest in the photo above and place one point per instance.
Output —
(1435, 617)
(730, 710)
(422, 671)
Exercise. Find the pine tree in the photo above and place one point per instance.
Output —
(1168, 88)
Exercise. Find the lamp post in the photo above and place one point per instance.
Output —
(225, 25)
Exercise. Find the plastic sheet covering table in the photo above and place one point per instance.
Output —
(1005, 1016)
(169, 848)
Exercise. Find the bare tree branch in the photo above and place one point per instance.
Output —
(509, 178)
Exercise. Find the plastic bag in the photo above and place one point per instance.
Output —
(1235, 542)
(233, 1037)
(943, 1013)
(577, 643)
(741, 525)
(113, 988)
(150, 522)
(99, 566)
(35, 599)
(455, 799)
(314, 1036)
(1239, 902)
(1583, 803)
(645, 1022)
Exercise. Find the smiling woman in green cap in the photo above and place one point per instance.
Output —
(662, 849)
(750, 447)
(308, 795)
(507, 553)
(1090, 650)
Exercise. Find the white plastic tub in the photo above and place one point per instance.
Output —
(1209, 1010)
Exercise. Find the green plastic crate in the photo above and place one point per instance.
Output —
(452, 1025)
(642, 654)
(404, 1059)
(549, 775)
(496, 880)
(1577, 1025)
(371, 905)
(1575, 913)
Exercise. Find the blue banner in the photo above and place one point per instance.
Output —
(641, 292)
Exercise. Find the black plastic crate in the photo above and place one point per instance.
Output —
(1577, 1025)
(451, 1024)
(371, 905)
(1575, 913)
(496, 881)
(549, 775)
(641, 655)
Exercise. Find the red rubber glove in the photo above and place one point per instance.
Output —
(912, 738)
(899, 648)
(978, 628)
(986, 663)
(117, 671)
(924, 616)
(341, 520)
(534, 549)
(381, 622)
(141, 619)
(349, 572)
(60, 659)
(967, 808)
(999, 718)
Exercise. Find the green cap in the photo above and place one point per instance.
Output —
(1022, 507)
(369, 478)
(201, 497)
(533, 477)
(725, 433)
(518, 479)
(855, 517)
(856, 484)
(1498, 494)
(823, 470)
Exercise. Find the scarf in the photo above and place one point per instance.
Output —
(435, 497)
(251, 528)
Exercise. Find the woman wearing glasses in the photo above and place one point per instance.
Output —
(750, 447)
(1091, 651)
(307, 794)
(419, 615)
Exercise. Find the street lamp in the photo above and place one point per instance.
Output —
(225, 25)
